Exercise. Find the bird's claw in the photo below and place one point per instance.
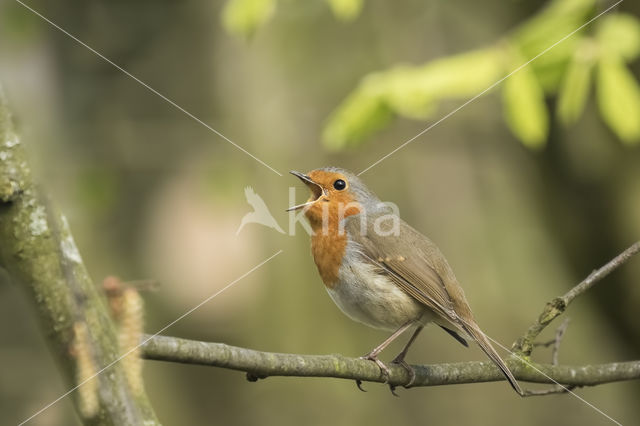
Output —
(386, 373)
(384, 370)
(392, 388)
(409, 369)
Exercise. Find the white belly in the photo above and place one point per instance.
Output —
(373, 299)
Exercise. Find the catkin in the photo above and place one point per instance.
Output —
(113, 288)
(86, 369)
(131, 322)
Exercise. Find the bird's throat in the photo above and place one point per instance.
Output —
(329, 239)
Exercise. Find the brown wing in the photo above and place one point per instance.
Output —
(415, 264)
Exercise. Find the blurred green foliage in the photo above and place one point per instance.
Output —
(346, 10)
(557, 63)
(619, 98)
(620, 34)
(574, 89)
(409, 91)
(244, 17)
(565, 70)
(98, 188)
(17, 26)
(524, 106)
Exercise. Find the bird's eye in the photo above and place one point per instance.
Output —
(339, 184)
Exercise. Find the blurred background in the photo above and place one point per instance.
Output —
(524, 200)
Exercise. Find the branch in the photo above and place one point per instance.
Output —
(557, 306)
(39, 254)
(263, 364)
(555, 342)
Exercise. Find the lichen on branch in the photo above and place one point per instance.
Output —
(259, 364)
(39, 254)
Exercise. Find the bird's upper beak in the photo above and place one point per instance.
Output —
(316, 190)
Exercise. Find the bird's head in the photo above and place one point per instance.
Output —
(335, 195)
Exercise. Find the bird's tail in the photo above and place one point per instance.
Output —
(482, 341)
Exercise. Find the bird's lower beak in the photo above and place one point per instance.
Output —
(315, 188)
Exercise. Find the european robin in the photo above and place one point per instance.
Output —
(382, 272)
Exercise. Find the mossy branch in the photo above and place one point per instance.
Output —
(39, 254)
(263, 364)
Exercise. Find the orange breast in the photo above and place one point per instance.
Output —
(329, 242)
(328, 250)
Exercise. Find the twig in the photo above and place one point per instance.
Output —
(556, 346)
(557, 306)
(544, 344)
(554, 361)
(555, 341)
(550, 391)
(599, 274)
(264, 364)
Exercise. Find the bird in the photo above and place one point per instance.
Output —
(260, 213)
(382, 272)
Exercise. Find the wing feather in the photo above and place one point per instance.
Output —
(414, 263)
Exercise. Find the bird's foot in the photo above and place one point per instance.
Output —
(384, 370)
(412, 374)
(399, 360)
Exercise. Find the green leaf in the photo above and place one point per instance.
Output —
(524, 108)
(402, 95)
(346, 10)
(460, 76)
(415, 91)
(619, 98)
(619, 34)
(553, 22)
(361, 114)
(545, 29)
(576, 84)
(244, 17)
(412, 92)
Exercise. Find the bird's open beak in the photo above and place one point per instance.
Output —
(316, 190)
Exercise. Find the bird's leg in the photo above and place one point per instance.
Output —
(373, 355)
(400, 360)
